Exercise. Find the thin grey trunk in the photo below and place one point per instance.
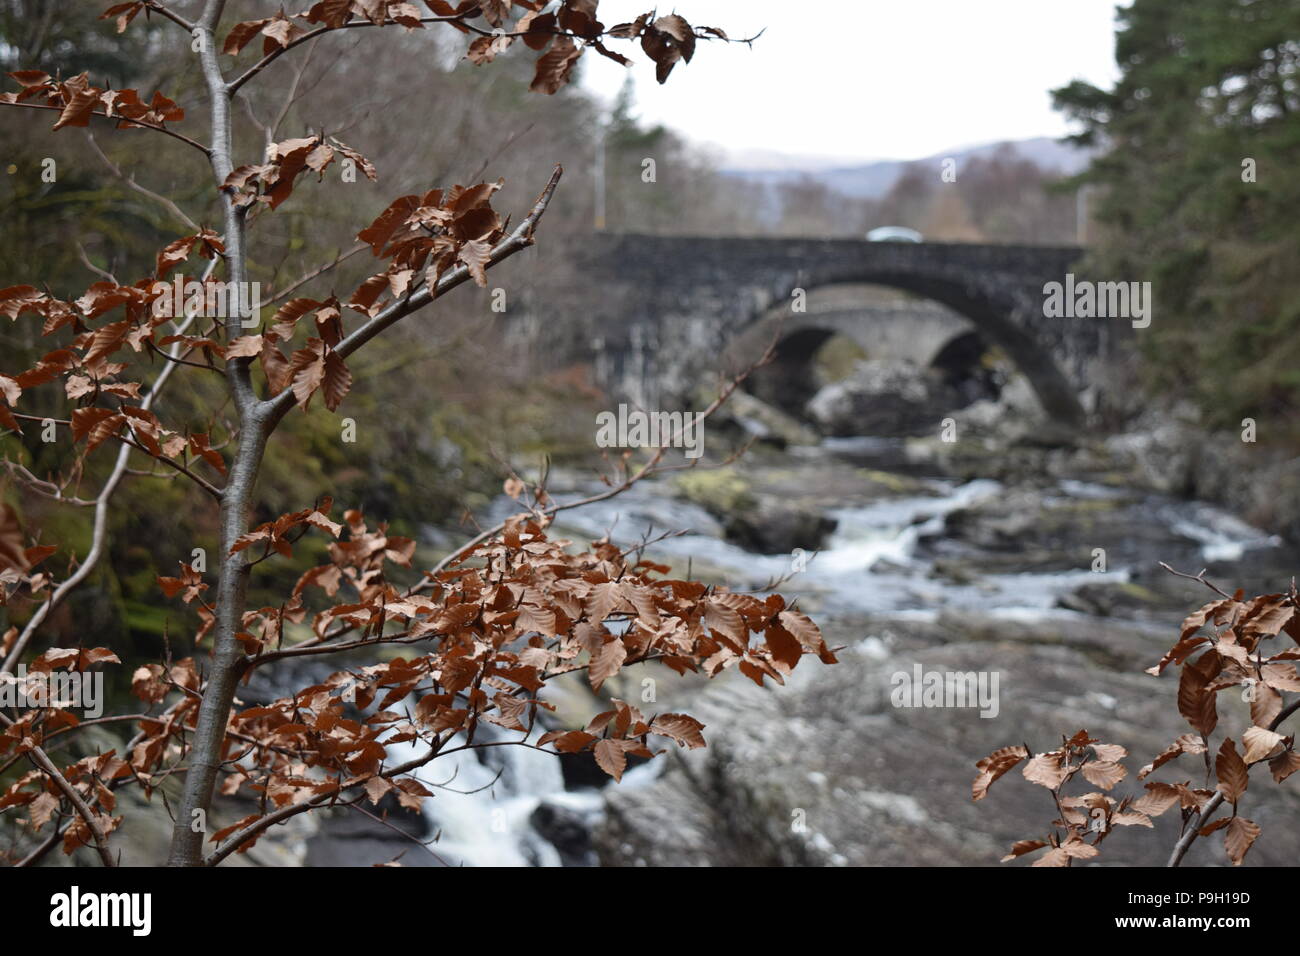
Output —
(254, 428)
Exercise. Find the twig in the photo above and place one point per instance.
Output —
(157, 7)
(1198, 578)
(1192, 830)
(99, 534)
(43, 763)
(116, 170)
(121, 119)
(315, 273)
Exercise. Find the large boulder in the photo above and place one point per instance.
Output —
(827, 771)
(757, 420)
(889, 398)
(756, 519)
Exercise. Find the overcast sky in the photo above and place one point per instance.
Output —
(869, 79)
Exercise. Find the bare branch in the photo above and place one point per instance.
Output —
(315, 273)
(157, 7)
(166, 203)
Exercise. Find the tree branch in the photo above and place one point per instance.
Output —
(1192, 831)
(521, 238)
(99, 534)
(274, 55)
(315, 273)
(166, 203)
(157, 7)
(43, 763)
(122, 119)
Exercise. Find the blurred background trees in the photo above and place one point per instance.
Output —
(1199, 151)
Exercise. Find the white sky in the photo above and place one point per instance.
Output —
(868, 79)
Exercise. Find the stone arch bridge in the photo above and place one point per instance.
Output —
(663, 310)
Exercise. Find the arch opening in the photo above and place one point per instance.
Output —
(919, 300)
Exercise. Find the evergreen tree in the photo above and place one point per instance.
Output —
(1200, 141)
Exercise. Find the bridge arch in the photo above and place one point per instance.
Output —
(993, 313)
(700, 294)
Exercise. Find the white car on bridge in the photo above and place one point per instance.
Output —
(894, 234)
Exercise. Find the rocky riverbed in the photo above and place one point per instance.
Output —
(1010, 553)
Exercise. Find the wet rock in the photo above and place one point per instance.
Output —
(778, 527)
(1108, 598)
(565, 830)
(762, 522)
(827, 771)
(1028, 529)
(345, 837)
(884, 398)
(767, 423)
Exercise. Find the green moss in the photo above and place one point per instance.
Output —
(837, 358)
(1138, 592)
(720, 491)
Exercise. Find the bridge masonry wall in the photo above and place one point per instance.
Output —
(656, 313)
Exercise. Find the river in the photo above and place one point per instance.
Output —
(906, 546)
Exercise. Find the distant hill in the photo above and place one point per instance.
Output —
(873, 180)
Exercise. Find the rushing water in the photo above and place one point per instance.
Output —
(872, 563)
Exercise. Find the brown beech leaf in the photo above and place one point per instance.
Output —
(1231, 771)
(275, 366)
(376, 788)
(606, 663)
(568, 742)
(611, 756)
(12, 551)
(1284, 764)
(1021, 847)
(1268, 616)
(805, 629)
(1104, 773)
(539, 619)
(475, 255)
(1265, 704)
(994, 766)
(1053, 858)
(337, 380)
(1047, 770)
(1196, 620)
(125, 13)
(199, 445)
(1109, 751)
(684, 729)
(555, 66)
(246, 346)
(1186, 744)
(1196, 702)
(1241, 834)
(240, 35)
(1259, 743)
(78, 109)
(1218, 824)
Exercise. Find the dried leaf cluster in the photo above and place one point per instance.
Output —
(1224, 646)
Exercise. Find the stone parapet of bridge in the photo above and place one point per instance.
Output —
(664, 309)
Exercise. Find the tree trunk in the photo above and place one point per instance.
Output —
(254, 428)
